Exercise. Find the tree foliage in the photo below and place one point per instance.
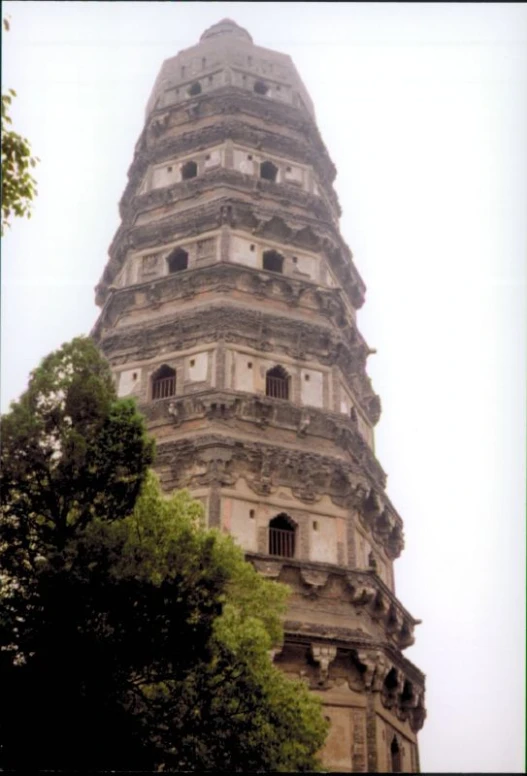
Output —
(131, 637)
(18, 185)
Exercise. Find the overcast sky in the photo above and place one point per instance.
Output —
(423, 109)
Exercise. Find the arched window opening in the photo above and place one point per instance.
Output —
(189, 170)
(268, 171)
(178, 260)
(194, 89)
(260, 88)
(391, 680)
(163, 383)
(395, 752)
(282, 532)
(277, 383)
(273, 261)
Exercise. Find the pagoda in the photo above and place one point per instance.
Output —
(229, 311)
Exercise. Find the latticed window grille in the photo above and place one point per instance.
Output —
(282, 537)
(277, 383)
(164, 383)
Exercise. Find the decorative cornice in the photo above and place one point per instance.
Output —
(295, 149)
(218, 459)
(280, 195)
(362, 590)
(234, 101)
(383, 670)
(300, 231)
(264, 331)
(266, 413)
(295, 292)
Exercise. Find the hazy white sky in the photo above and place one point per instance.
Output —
(423, 108)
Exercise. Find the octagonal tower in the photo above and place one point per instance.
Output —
(229, 308)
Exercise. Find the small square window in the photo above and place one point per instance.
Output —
(252, 248)
(192, 362)
(295, 260)
(249, 364)
(134, 376)
(207, 158)
(315, 525)
(251, 514)
(288, 169)
(250, 157)
(169, 169)
(306, 378)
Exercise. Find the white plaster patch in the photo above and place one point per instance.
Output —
(324, 540)
(129, 382)
(214, 159)
(243, 373)
(241, 252)
(243, 526)
(306, 265)
(165, 175)
(243, 163)
(197, 367)
(294, 174)
(311, 387)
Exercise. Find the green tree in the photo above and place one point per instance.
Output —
(130, 636)
(18, 185)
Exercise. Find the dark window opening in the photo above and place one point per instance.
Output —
(268, 171)
(182, 71)
(163, 383)
(189, 170)
(178, 260)
(277, 383)
(203, 63)
(260, 88)
(273, 261)
(194, 89)
(395, 752)
(282, 536)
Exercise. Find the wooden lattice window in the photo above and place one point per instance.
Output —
(277, 383)
(282, 535)
(164, 383)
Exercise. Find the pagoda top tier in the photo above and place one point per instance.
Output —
(224, 57)
(226, 27)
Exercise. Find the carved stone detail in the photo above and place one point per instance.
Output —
(324, 655)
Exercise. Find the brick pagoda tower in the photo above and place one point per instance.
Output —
(229, 307)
